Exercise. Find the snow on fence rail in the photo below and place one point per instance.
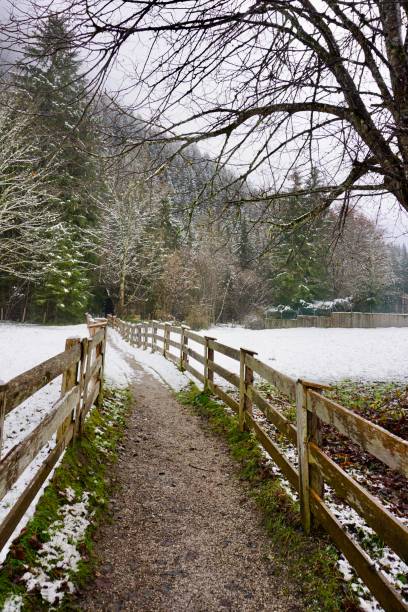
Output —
(315, 466)
(81, 366)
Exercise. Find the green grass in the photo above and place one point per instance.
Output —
(308, 562)
(383, 399)
(84, 468)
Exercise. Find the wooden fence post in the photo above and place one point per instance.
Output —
(246, 379)
(303, 455)
(83, 369)
(101, 350)
(209, 357)
(69, 380)
(145, 328)
(166, 346)
(3, 399)
(183, 347)
(154, 338)
(314, 435)
(307, 431)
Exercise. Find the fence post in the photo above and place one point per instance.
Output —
(246, 379)
(69, 380)
(145, 328)
(303, 458)
(166, 346)
(209, 357)
(308, 430)
(101, 350)
(154, 339)
(3, 399)
(82, 388)
(183, 347)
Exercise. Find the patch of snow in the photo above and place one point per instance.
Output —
(12, 496)
(118, 372)
(13, 604)
(154, 363)
(60, 552)
(69, 494)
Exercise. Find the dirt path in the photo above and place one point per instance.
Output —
(184, 534)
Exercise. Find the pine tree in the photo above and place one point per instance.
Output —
(65, 291)
(53, 91)
(297, 268)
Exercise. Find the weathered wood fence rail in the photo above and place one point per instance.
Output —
(315, 466)
(81, 366)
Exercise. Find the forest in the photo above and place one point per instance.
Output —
(151, 232)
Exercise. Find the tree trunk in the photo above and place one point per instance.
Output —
(122, 287)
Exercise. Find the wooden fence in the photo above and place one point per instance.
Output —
(81, 366)
(315, 466)
(341, 319)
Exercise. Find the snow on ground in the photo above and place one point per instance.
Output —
(154, 363)
(13, 604)
(118, 371)
(323, 355)
(60, 552)
(23, 346)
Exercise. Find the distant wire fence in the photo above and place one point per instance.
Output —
(315, 467)
(81, 365)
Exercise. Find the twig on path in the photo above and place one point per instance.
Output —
(200, 468)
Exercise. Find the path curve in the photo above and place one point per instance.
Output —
(184, 534)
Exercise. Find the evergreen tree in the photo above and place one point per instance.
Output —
(53, 91)
(296, 267)
(65, 291)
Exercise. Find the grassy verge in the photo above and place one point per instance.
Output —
(311, 562)
(54, 553)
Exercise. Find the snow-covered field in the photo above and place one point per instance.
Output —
(323, 355)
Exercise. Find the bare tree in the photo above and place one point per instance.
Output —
(360, 265)
(28, 226)
(131, 256)
(300, 83)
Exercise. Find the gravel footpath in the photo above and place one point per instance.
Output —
(184, 534)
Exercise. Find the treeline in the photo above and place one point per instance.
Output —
(84, 228)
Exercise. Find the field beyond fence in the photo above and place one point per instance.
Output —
(316, 468)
